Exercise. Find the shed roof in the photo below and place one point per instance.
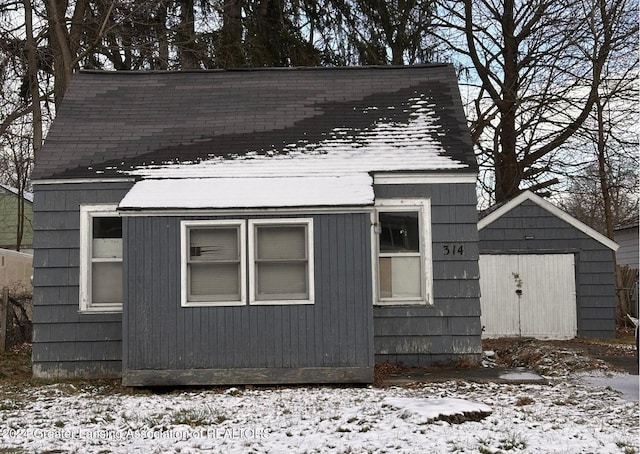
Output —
(494, 213)
(28, 196)
(258, 123)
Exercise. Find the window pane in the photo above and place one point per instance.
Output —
(282, 242)
(399, 231)
(214, 244)
(107, 237)
(400, 277)
(107, 227)
(107, 248)
(215, 281)
(282, 281)
(106, 282)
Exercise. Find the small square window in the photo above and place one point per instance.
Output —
(399, 231)
(213, 263)
(281, 254)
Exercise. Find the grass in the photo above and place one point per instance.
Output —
(524, 400)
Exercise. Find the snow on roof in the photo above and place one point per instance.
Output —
(258, 123)
(28, 196)
(384, 146)
(195, 193)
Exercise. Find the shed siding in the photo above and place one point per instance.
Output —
(595, 281)
(65, 342)
(449, 330)
(160, 335)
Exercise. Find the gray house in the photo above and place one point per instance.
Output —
(544, 273)
(628, 236)
(255, 226)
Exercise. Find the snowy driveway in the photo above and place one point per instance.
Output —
(563, 417)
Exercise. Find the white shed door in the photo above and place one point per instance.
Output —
(528, 295)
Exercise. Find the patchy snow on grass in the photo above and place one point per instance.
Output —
(433, 409)
(565, 417)
(627, 385)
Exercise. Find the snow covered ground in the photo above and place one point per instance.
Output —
(566, 416)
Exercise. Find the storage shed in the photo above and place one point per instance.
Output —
(256, 226)
(544, 274)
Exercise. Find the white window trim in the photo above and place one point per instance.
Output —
(87, 213)
(310, 257)
(184, 254)
(423, 206)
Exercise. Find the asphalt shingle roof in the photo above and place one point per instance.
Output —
(113, 123)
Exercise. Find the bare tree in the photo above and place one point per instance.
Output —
(34, 91)
(584, 194)
(533, 86)
(616, 110)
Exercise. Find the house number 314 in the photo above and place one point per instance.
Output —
(453, 249)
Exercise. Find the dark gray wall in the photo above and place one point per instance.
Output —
(449, 330)
(595, 281)
(159, 334)
(334, 332)
(65, 342)
(628, 240)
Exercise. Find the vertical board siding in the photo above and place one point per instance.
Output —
(332, 332)
(595, 285)
(448, 330)
(545, 308)
(66, 342)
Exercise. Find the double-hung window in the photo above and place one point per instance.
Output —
(281, 261)
(278, 254)
(100, 259)
(213, 263)
(404, 251)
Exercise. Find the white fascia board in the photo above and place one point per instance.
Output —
(423, 178)
(130, 212)
(542, 203)
(82, 181)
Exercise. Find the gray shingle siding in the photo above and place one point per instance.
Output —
(595, 281)
(66, 342)
(449, 330)
(628, 240)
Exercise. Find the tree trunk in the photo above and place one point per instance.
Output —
(36, 111)
(231, 52)
(508, 174)
(63, 60)
(186, 36)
